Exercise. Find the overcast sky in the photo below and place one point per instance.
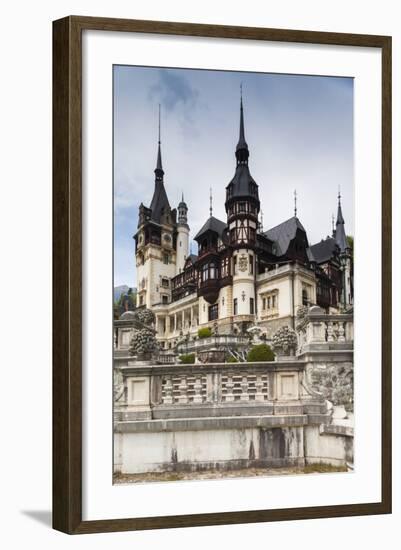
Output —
(299, 131)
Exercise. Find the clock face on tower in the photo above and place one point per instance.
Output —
(166, 238)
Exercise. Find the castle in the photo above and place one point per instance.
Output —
(242, 275)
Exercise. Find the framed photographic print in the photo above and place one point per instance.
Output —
(222, 274)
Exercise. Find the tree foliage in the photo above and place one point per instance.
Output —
(187, 359)
(260, 352)
(204, 332)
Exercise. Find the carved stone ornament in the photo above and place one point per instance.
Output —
(243, 262)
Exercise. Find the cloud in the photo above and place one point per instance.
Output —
(173, 90)
(299, 130)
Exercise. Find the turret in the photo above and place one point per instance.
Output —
(345, 258)
(242, 207)
(182, 235)
(156, 243)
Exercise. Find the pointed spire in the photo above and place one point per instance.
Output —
(340, 218)
(159, 205)
(341, 238)
(241, 152)
(295, 203)
(159, 168)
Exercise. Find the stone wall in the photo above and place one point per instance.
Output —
(208, 449)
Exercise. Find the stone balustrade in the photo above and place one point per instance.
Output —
(213, 390)
(330, 331)
(220, 341)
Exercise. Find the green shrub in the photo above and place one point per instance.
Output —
(204, 332)
(187, 359)
(261, 352)
(231, 359)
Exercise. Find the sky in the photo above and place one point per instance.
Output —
(299, 131)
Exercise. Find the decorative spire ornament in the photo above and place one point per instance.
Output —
(295, 203)
(211, 203)
(159, 168)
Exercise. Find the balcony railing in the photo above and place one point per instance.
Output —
(214, 390)
(333, 330)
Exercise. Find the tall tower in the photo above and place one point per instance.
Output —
(182, 235)
(345, 257)
(156, 243)
(242, 207)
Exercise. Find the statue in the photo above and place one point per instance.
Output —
(257, 335)
(143, 342)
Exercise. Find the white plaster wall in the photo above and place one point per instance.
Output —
(247, 286)
(203, 311)
(284, 296)
(225, 302)
(152, 270)
(182, 247)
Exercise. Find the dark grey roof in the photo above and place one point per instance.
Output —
(159, 202)
(283, 234)
(323, 251)
(159, 159)
(192, 257)
(212, 224)
(341, 238)
(241, 180)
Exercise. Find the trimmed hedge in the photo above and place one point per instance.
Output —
(187, 359)
(261, 352)
(204, 332)
(231, 359)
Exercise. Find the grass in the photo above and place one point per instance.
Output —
(319, 468)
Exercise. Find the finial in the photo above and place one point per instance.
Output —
(339, 196)
(295, 203)
(211, 203)
(182, 196)
(332, 223)
(240, 87)
(159, 125)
